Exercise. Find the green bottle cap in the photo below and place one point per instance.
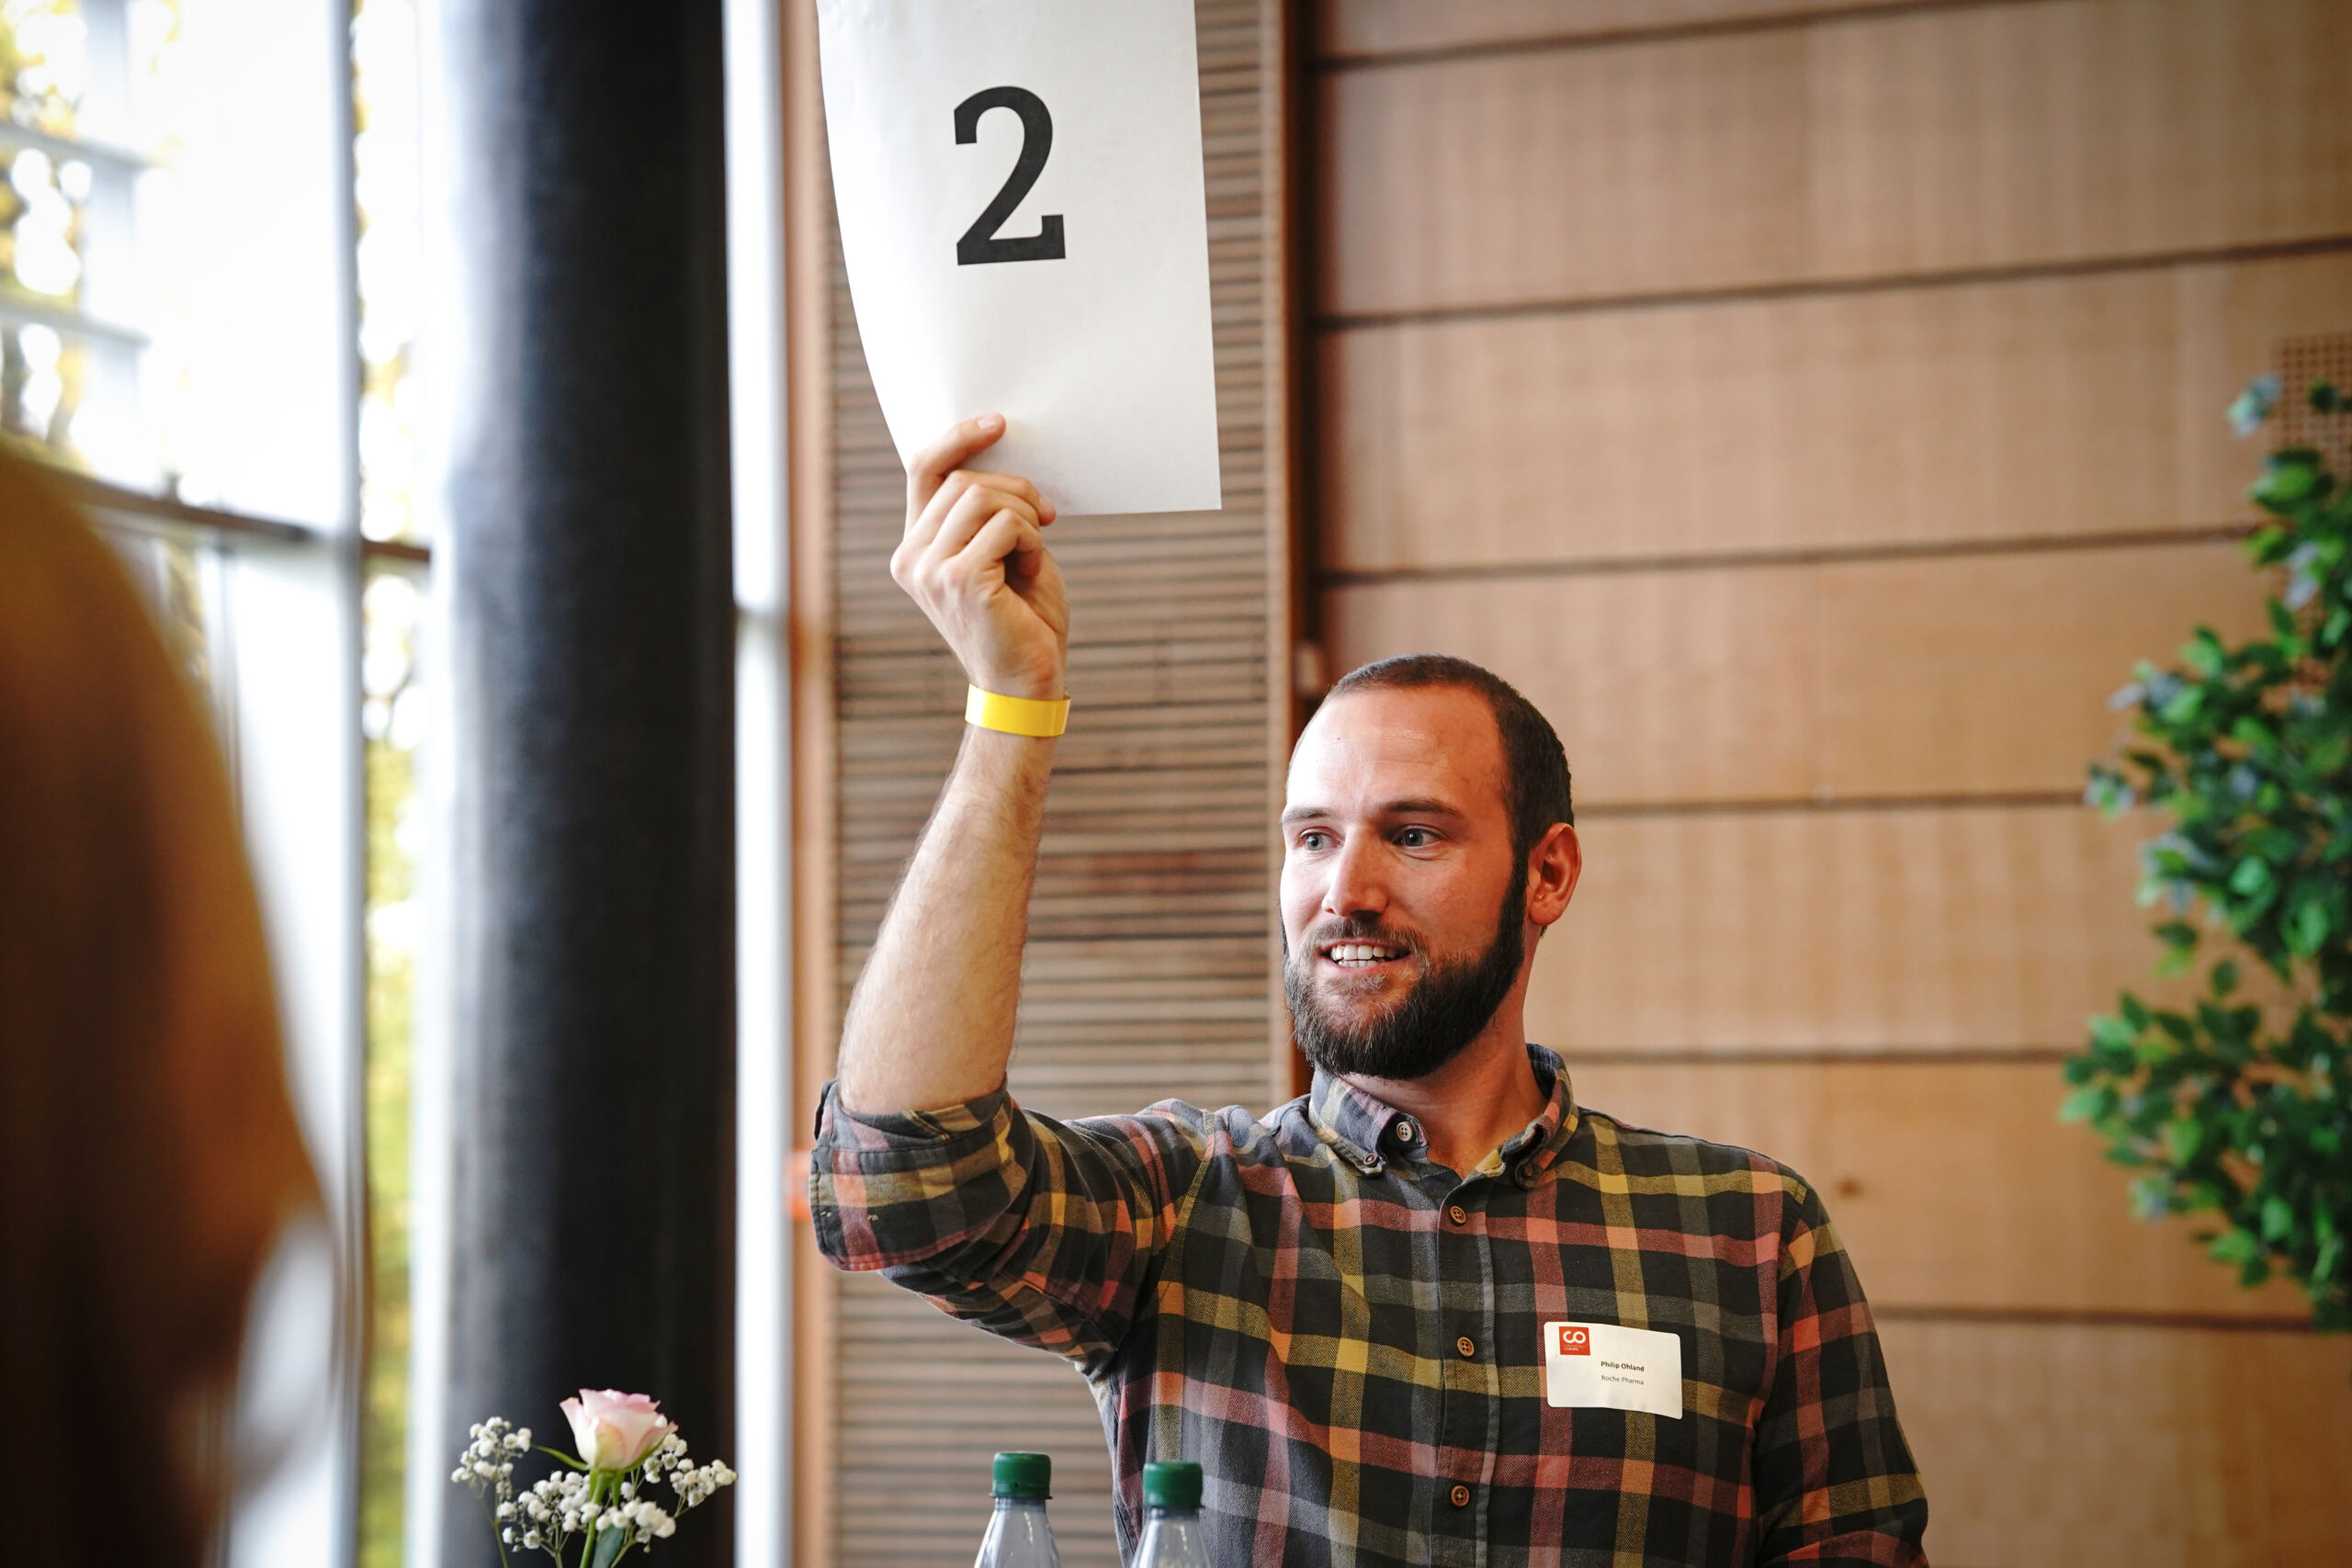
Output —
(1022, 1475)
(1174, 1484)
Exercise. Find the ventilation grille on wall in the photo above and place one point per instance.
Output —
(2301, 362)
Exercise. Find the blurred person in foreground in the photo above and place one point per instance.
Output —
(149, 1155)
(1401, 1319)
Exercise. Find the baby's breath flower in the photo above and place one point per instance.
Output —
(550, 1516)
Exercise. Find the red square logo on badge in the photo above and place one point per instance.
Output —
(1574, 1340)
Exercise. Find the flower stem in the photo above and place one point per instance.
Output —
(495, 1539)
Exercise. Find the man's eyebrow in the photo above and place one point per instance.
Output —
(1419, 807)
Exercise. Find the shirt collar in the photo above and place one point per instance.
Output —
(1368, 1131)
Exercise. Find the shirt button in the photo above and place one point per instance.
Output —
(1467, 1348)
(1460, 1496)
(1405, 1130)
(1458, 1214)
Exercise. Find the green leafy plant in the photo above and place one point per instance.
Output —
(2231, 1107)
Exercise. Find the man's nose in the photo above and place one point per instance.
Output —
(1358, 884)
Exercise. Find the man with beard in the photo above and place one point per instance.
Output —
(1432, 1311)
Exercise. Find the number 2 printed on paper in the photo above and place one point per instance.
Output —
(981, 242)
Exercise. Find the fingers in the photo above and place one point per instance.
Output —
(923, 528)
(955, 514)
(1011, 484)
(1008, 556)
(969, 515)
(1009, 537)
(929, 467)
(961, 504)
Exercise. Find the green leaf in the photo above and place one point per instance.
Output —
(2276, 845)
(2182, 706)
(2184, 1139)
(2086, 1104)
(2307, 923)
(2202, 653)
(2252, 876)
(2235, 1245)
(2292, 479)
(2225, 977)
(2324, 397)
(2277, 1219)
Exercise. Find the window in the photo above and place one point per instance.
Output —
(209, 271)
(177, 328)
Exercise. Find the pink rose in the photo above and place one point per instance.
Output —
(616, 1430)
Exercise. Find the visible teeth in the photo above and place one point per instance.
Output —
(1363, 952)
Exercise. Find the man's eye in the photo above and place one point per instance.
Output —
(1314, 839)
(1416, 838)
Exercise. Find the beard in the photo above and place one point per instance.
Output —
(1450, 1003)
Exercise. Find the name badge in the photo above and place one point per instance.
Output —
(1589, 1364)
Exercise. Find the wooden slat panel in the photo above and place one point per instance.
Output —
(1915, 660)
(2154, 1448)
(1366, 29)
(937, 1399)
(1995, 410)
(1897, 930)
(1663, 686)
(1948, 139)
(1953, 1183)
(1170, 668)
(1974, 674)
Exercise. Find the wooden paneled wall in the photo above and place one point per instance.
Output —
(1815, 409)
(1152, 957)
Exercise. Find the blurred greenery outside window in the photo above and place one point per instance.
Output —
(95, 378)
(87, 95)
(393, 717)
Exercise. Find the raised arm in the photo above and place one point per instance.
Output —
(930, 1023)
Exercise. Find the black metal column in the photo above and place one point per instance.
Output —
(580, 315)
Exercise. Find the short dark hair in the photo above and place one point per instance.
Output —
(1536, 767)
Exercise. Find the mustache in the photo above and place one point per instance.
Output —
(1359, 928)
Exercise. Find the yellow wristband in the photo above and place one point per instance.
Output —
(1016, 716)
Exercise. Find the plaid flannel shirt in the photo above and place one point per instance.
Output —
(1345, 1336)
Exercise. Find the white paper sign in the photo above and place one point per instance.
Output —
(1025, 220)
(1588, 1364)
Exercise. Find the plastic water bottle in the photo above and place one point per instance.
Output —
(1172, 1534)
(1019, 1535)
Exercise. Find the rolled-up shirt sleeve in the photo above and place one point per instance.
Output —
(1044, 1232)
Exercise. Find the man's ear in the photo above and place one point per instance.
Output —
(1553, 868)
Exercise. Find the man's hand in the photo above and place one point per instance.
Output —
(975, 558)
